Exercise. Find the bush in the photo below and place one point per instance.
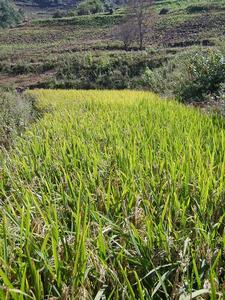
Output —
(191, 77)
(164, 11)
(201, 8)
(154, 80)
(9, 15)
(17, 111)
(108, 71)
(192, 9)
(203, 75)
(58, 14)
(90, 7)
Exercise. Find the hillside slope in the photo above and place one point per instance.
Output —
(36, 53)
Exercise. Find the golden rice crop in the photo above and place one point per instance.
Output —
(114, 195)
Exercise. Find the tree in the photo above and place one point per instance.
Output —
(138, 20)
(88, 7)
(126, 32)
(9, 15)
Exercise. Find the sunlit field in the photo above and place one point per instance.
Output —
(114, 195)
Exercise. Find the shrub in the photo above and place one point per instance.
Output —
(9, 15)
(58, 14)
(90, 7)
(152, 79)
(201, 8)
(164, 11)
(203, 74)
(190, 77)
(109, 71)
(197, 9)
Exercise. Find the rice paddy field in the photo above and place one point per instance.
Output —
(114, 195)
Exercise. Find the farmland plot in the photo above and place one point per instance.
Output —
(114, 195)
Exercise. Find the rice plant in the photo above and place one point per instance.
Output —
(114, 195)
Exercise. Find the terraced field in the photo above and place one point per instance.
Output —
(31, 54)
(114, 195)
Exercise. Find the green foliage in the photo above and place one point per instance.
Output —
(204, 7)
(9, 15)
(88, 7)
(98, 20)
(164, 11)
(116, 71)
(59, 14)
(190, 77)
(156, 80)
(202, 75)
(197, 9)
(24, 68)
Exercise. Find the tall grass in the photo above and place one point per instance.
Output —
(114, 195)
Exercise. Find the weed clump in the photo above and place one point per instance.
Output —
(17, 111)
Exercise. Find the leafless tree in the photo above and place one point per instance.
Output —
(126, 33)
(142, 13)
(138, 20)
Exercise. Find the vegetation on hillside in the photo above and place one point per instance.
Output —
(48, 46)
(195, 76)
(88, 7)
(9, 15)
(115, 71)
(138, 20)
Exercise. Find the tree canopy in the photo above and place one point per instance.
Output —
(9, 15)
(90, 7)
